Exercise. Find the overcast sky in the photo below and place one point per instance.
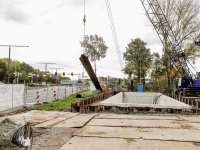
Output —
(53, 30)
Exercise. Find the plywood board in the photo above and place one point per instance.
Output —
(135, 123)
(135, 117)
(93, 143)
(57, 120)
(187, 135)
(75, 122)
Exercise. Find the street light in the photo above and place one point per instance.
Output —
(9, 57)
(45, 67)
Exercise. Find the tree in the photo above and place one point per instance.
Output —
(183, 18)
(158, 71)
(24, 77)
(3, 71)
(26, 67)
(14, 65)
(135, 51)
(95, 48)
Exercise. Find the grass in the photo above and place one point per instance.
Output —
(63, 103)
(58, 105)
(125, 89)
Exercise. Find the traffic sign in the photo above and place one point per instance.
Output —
(140, 88)
(54, 76)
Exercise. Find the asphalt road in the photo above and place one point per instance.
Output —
(47, 94)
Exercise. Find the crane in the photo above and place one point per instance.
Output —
(188, 81)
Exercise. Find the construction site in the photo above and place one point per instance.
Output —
(97, 117)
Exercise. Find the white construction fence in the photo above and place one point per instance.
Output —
(14, 95)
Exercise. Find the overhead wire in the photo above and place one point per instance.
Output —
(112, 25)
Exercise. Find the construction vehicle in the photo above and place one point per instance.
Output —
(189, 83)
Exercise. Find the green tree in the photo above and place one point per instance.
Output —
(3, 71)
(24, 77)
(26, 67)
(95, 48)
(136, 51)
(14, 65)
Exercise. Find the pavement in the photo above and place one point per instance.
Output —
(117, 131)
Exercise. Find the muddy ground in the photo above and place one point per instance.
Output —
(43, 139)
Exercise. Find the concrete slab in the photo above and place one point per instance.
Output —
(76, 122)
(93, 143)
(164, 134)
(52, 122)
(194, 125)
(191, 119)
(135, 117)
(35, 116)
(135, 123)
(142, 99)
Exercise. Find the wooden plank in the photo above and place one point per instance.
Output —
(166, 134)
(52, 122)
(135, 123)
(135, 117)
(76, 122)
(93, 143)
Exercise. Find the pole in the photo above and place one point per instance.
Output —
(140, 67)
(9, 66)
(27, 133)
(15, 72)
(56, 77)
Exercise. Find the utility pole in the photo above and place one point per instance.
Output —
(57, 73)
(84, 20)
(140, 66)
(45, 68)
(9, 57)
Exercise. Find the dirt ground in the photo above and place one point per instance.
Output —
(51, 138)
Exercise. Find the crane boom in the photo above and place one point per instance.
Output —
(162, 27)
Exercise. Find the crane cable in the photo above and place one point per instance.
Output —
(114, 34)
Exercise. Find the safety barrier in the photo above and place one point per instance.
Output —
(49, 93)
(11, 96)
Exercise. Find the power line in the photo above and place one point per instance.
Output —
(114, 34)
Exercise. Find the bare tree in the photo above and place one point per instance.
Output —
(95, 48)
(183, 18)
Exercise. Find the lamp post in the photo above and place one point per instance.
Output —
(9, 57)
(45, 68)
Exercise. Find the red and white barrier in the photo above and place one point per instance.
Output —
(38, 97)
(54, 95)
(65, 92)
